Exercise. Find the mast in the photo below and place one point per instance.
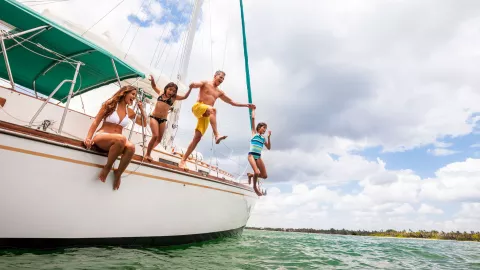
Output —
(245, 54)
(170, 132)
(182, 75)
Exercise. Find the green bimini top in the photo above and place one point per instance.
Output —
(44, 74)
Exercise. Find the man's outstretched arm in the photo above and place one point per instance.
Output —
(228, 100)
(197, 84)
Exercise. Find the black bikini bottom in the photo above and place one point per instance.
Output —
(159, 120)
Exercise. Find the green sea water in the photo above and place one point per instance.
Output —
(262, 250)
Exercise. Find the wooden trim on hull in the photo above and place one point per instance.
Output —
(28, 152)
(145, 241)
(78, 145)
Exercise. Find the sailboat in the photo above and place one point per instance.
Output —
(49, 192)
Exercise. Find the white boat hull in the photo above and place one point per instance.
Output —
(50, 196)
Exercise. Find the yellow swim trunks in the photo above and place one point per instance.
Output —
(198, 110)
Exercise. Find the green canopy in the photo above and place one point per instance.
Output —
(31, 70)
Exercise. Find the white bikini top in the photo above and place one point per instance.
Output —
(114, 118)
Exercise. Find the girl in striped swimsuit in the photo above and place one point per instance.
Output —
(255, 154)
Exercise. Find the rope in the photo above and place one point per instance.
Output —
(136, 15)
(133, 39)
(37, 3)
(211, 149)
(226, 42)
(143, 144)
(243, 173)
(62, 57)
(160, 57)
(102, 18)
(136, 32)
(211, 42)
(83, 105)
(158, 45)
(20, 120)
(184, 38)
(166, 58)
(65, 59)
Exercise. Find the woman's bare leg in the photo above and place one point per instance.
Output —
(114, 144)
(128, 153)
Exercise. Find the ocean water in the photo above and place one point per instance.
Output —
(262, 250)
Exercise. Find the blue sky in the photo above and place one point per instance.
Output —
(173, 12)
(421, 160)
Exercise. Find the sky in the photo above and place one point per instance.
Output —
(373, 105)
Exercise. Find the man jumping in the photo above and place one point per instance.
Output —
(205, 112)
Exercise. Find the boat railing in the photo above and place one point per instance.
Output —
(4, 35)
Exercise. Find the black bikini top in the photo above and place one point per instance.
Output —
(168, 101)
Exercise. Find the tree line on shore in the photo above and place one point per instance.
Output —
(458, 236)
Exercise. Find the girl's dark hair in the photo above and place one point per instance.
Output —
(171, 84)
(261, 124)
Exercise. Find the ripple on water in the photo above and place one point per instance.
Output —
(262, 250)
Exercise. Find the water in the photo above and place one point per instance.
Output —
(262, 250)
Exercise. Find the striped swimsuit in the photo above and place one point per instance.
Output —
(256, 146)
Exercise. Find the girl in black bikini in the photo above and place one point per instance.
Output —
(158, 118)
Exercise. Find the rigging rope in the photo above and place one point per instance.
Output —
(62, 57)
(166, 58)
(211, 41)
(183, 40)
(136, 32)
(102, 17)
(136, 15)
(226, 42)
(158, 45)
(19, 120)
(37, 3)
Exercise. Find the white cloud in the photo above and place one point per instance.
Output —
(399, 202)
(402, 210)
(469, 210)
(441, 152)
(428, 209)
(455, 182)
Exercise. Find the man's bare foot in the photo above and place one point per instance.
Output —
(257, 191)
(218, 139)
(182, 165)
(249, 178)
(149, 158)
(118, 180)
(102, 176)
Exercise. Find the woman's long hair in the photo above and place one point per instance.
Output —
(111, 104)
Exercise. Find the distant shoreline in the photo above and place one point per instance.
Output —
(426, 235)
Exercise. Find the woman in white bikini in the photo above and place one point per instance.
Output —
(158, 118)
(115, 115)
